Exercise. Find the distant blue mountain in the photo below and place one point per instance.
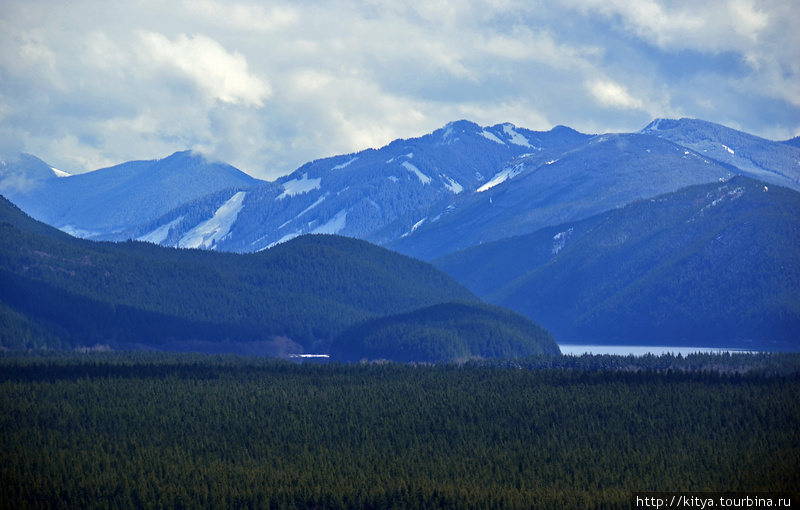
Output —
(25, 174)
(457, 187)
(708, 265)
(129, 194)
(561, 184)
(684, 231)
(355, 195)
(794, 142)
(773, 162)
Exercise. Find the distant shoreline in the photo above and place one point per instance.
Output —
(641, 350)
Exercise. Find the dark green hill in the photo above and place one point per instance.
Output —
(65, 292)
(444, 332)
(712, 265)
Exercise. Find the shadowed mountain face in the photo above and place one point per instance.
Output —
(567, 183)
(710, 265)
(65, 292)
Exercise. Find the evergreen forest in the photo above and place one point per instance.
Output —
(60, 292)
(149, 430)
(448, 331)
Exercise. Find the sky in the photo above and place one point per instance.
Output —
(267, 86)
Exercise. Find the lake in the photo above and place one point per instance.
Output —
(637, 350)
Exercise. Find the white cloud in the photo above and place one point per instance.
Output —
(355, 111)
(713, 25)
(268, 86)
(244, 16)
(524, 44)
(224, 76)
(613, 95)
(518, 112)
(78, 154)
(102, 52)
(746, 19)
(25, 54)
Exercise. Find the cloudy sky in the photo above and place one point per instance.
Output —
(267, 86)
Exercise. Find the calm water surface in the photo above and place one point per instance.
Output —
(637, 350)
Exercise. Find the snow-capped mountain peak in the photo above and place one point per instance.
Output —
(427, 196)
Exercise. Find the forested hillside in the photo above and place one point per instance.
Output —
(714, 264)
(61, 291)
(449, 331)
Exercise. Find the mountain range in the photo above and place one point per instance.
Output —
(682, 233)
(355, 195)
(62, 292)
(111, 199)
(457, 187)
(713, 265)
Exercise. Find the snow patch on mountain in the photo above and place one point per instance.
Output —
(449, 208)
(160, 234)
(653, 126)
(415, 226)
(345, 164)
(503, 176)
(491, 136)
(75, 231)
(307, 209)
(315, 204)
(447, 136)
(299, 186)
(560, 240)
(60, 173)
(216, 228)
(334, 225)
(728, 149)
(424, 179)
(452, 185)
(514, 137)
(375, 205)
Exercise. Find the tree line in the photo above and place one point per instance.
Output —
(148, 430)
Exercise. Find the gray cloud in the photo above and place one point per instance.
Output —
(267, 86)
